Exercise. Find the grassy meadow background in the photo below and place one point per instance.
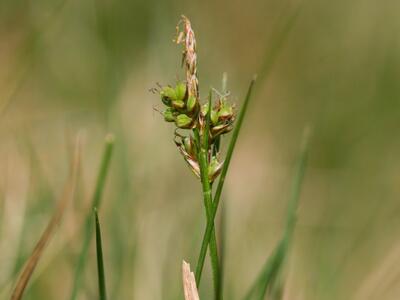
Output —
(69, 65)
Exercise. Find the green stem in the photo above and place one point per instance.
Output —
(203, 148)
(209, 232)
(207, 195)
(96, 200)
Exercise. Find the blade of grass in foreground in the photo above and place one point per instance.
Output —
(210, 222)
(96, 201)
(100, 264)
(67, 195)
(274, 263)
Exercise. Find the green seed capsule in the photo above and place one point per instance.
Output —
(188, 144)
(183, 121)
(214, 117)
(169, 115)
(191, 104)
(204, 109)
(214, 169)
(180, 91)
(178, 104)
(225, 112)
(167, 95)
(221, 129)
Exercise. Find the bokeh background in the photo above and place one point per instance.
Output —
(69, 65)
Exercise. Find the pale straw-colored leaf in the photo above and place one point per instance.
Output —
(189, 283)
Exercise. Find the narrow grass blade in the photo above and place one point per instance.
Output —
(274, 263)
(96, 202)
(210, 224)
(100, 264)
(67, 196)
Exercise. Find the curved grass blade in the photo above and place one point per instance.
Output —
(100, 264)
(67, 196)
(274, 263)
(210, 223)
(96, 201)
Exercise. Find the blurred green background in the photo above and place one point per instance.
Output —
(68, 65)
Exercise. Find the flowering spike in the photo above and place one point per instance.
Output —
(186, 111)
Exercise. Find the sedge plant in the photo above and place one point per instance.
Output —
(199, 128)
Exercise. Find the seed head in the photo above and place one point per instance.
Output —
(183, 108)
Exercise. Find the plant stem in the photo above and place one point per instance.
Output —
(209, 232)
(203, 149)
(207, 195)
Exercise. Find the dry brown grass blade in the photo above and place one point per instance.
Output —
(189, 283)
(68, 193)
